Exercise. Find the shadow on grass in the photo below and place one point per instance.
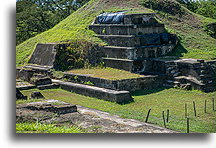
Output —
(178, 51)
(146, 92)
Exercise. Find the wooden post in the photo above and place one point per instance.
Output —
(188, 125)
(194, 105)
(148, 115)
(185, 110)
(213, 106)
(205, 107)
(168, 115)
(164, 119)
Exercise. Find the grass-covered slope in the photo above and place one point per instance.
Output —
(195, 42)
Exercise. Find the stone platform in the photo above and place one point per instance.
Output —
(133, 84)
(86, 118)
(135, 38)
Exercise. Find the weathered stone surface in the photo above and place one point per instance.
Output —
(145, 82)
(123, 64)
(44, 54)
(48, 86)
(54, 106)
(24, 74)
(124, 29)
(91, 119)
(199, 74)
(36, 95)
(100, 93)
(138, 40)
(42, 81)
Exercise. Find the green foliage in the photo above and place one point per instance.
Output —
(168, 6)
(189, 27)
(36, 16)
(46, 128)
(203, 7)
(74, 27)
(57, 74)
(77, 54)
(88, 83)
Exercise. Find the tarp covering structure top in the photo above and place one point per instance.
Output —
(110, 18)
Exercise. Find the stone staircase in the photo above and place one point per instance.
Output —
(137, 38)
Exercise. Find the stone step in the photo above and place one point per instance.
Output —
(138, 40)
(48, 86)
(134, 53)
(120, 97)
(120, 52)
(38, 68)
(121, 40)
(135, 66)
(123, 64)
(127, 29)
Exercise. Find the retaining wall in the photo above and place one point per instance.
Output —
(143, 83)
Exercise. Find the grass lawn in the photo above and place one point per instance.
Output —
(158, 100)
(46, 128)
(107, 73)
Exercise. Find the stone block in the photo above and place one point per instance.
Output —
(41, 81)
(100, 93)
(36, 95)
(44, 54)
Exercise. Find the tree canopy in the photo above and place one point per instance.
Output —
(36, 16)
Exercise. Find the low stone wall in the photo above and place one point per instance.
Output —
(120, 97)
(143, 83)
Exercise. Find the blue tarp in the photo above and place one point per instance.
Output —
(110, 18)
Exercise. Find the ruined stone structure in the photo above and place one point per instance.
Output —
(135, 43)
(136, 38)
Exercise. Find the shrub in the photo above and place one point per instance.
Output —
(169, 6)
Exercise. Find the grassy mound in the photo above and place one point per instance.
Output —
(194, 43)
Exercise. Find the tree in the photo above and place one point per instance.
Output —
(36, 16)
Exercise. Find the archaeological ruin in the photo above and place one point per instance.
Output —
(135, 43)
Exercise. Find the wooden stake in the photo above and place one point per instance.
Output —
(148, 115)
(213, 106)
(188, 125)
(168, 115)
(205, 106)
(185, 110)
(164, 119)
(194, 105)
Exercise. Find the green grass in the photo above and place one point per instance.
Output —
(107, 73)
(158, 100)
(195, 42)
(46, 128)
